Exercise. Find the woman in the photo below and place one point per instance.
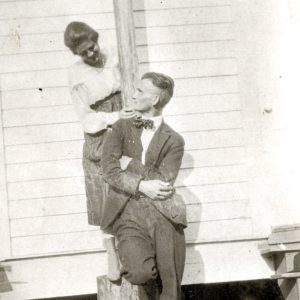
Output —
(95, 89)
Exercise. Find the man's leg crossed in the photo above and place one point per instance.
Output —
(135, 245)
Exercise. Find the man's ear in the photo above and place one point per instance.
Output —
(156, 100)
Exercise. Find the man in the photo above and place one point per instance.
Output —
(140, 163)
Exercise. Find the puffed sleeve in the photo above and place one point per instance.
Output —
(91, 121)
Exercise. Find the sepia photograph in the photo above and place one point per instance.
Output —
(149, 150)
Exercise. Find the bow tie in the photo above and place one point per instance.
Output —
(146, 123)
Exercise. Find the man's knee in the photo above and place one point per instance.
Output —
(140, 274)
(137, 259)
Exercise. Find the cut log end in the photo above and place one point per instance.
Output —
(121, 290)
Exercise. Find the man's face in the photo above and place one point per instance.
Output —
(145, 96)
(90, 52)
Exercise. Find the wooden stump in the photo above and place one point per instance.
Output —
(116, 291)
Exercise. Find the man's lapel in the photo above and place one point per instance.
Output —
(157, 143)
(135, 135)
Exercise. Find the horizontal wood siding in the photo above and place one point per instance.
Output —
(64, 204)
(193, 41)
(54, 8)
(36, 106)
(202, 265)
(220, 230)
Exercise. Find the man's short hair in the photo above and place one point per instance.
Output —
(77, 33)
(165, 83)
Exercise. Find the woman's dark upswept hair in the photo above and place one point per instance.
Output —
(77, 33)
(165, 83)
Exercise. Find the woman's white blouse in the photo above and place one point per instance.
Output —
(89, 85)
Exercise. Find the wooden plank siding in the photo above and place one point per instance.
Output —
(193, 41)
(202, 61)
(33, 56)
(223, 80)
(201, 266)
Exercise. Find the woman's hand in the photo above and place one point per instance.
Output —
(127, 113)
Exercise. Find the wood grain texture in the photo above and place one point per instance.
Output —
(128, 61)
(106, 290)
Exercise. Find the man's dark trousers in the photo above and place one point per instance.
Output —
(149, 245)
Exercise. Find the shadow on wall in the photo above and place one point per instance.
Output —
(194, 269)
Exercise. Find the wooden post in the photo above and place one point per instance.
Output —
(127, 49)
(129, 74)
(112, 291)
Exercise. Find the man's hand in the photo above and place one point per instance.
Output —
(156, 189)
(124, 161)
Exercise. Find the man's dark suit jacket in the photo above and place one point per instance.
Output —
(162, 161)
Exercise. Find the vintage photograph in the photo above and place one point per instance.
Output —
(149, 150)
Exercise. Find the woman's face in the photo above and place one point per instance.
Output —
(89, 51)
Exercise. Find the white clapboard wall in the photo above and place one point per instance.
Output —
(44, 206)
(193, 42)
(41, 135)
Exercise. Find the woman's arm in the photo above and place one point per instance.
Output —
(91, 121)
